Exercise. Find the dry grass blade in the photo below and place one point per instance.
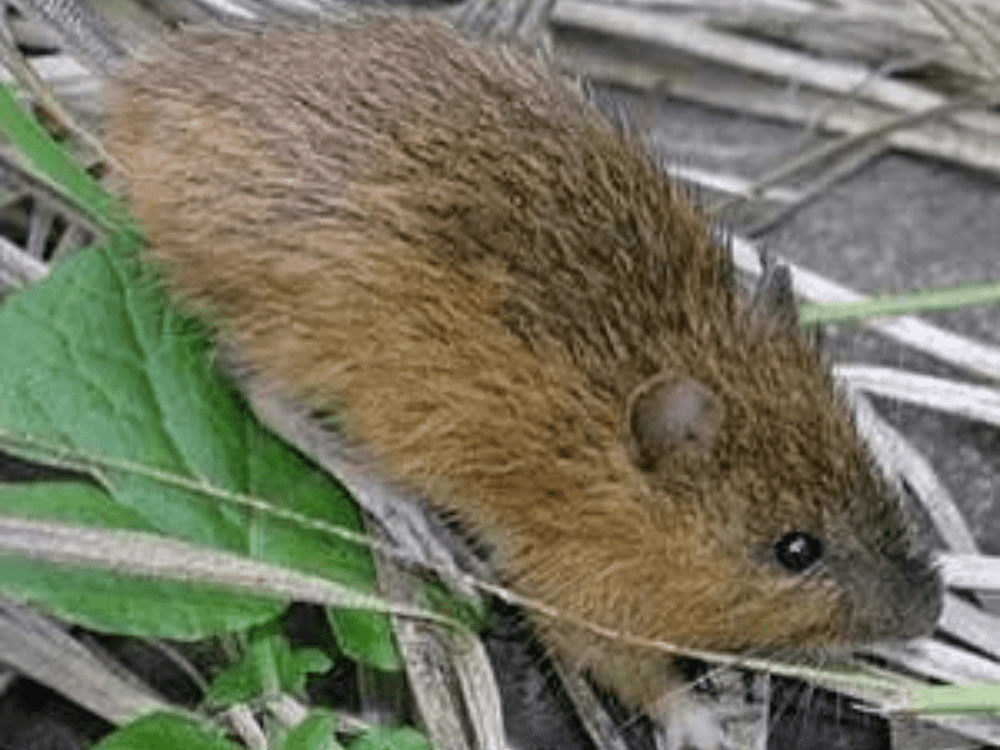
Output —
(19, 181)
(82, 31)
(729, 89)
(967, 571)
(524, 20)
(70, 84)
(757, 58)
(731, 184)
(35, 84)
(940, 662)
(726, 70)
(485, 17)
(900, 459)
(243, 723)
(280, 11)
(854, 152)
(595, 719)
(475, 676)
(870, 35)
(290, 713)
(146, 554)
(37, 647)
(449, 684)
(429, 661)
(971, 625)
(17, 267)
(970, 28)
(969, 731)
(943, 661)
(973, 402)
(848, 154)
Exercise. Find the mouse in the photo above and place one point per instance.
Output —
(500, 292)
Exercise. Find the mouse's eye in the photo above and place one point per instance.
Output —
(798, 550)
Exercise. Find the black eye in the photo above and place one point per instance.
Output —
(798, 550)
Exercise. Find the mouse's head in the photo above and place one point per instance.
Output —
(794, 539)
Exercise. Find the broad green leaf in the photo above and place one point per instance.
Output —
(404, 738)
(131, 605)
(301, 663)
(117, 602)
(238, 683)
(78, 502)
(315, 732)
(97, 362)
(473, 613)
(269, 666)
(164, 732)
(362, 636)
(304, 488)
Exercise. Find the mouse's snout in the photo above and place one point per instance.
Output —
(924, 611)
(903, 601)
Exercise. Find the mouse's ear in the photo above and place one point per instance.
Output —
(773, 304)
(668, 413)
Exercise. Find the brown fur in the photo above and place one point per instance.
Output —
(448, 245)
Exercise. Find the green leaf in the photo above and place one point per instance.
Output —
(269, 666)
(130, 605)
(301, 663)
(241, 682)
(43, 158)
(901, 304)
(315, 732)
(404, 738)
(116, 602)
(967, 699)
(95, 361)
(363, 636)
(473, 613)
(78, 502)
(164, 732)
(302, 487)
